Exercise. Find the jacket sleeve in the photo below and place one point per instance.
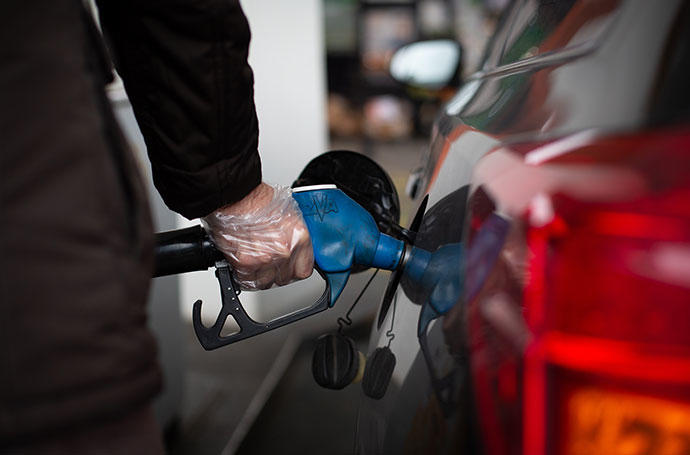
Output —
(184, 66)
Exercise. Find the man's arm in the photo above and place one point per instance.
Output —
(184, 66)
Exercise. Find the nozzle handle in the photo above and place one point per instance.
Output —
(191, 249)
(211, 337)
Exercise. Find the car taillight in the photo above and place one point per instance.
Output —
(608, 305)
(604, 420)
(579, 339)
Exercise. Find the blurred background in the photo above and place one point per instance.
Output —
(321, 83)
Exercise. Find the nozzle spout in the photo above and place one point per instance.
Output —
(389, 253)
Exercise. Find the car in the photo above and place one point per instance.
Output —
(559, 176)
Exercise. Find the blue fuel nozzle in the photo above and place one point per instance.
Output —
(344, 235)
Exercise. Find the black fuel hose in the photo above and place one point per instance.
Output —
(184, 250)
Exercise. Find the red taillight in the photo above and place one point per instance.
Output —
(580, 337)
(610, 316)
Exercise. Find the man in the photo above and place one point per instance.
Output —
(77, 363)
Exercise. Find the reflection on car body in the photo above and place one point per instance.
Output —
(558, 188)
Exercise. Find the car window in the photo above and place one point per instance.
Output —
(540, 26)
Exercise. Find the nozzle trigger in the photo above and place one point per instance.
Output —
(211, 338)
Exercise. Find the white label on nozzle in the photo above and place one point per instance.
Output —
(301, 189)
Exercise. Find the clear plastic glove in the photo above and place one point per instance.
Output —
(264, 238)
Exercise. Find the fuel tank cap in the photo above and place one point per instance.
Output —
(378, 373)
(335, 362)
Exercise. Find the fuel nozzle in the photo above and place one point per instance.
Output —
(344, 236)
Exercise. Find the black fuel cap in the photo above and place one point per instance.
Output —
(335, 362)
(378, 373)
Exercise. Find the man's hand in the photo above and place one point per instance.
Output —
(264, 238)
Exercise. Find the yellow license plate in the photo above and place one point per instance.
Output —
(613, 423)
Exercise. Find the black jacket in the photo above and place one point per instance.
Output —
(184, 65)
(75, 231)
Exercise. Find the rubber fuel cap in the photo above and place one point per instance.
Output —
(378, 373)
(335, 362)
